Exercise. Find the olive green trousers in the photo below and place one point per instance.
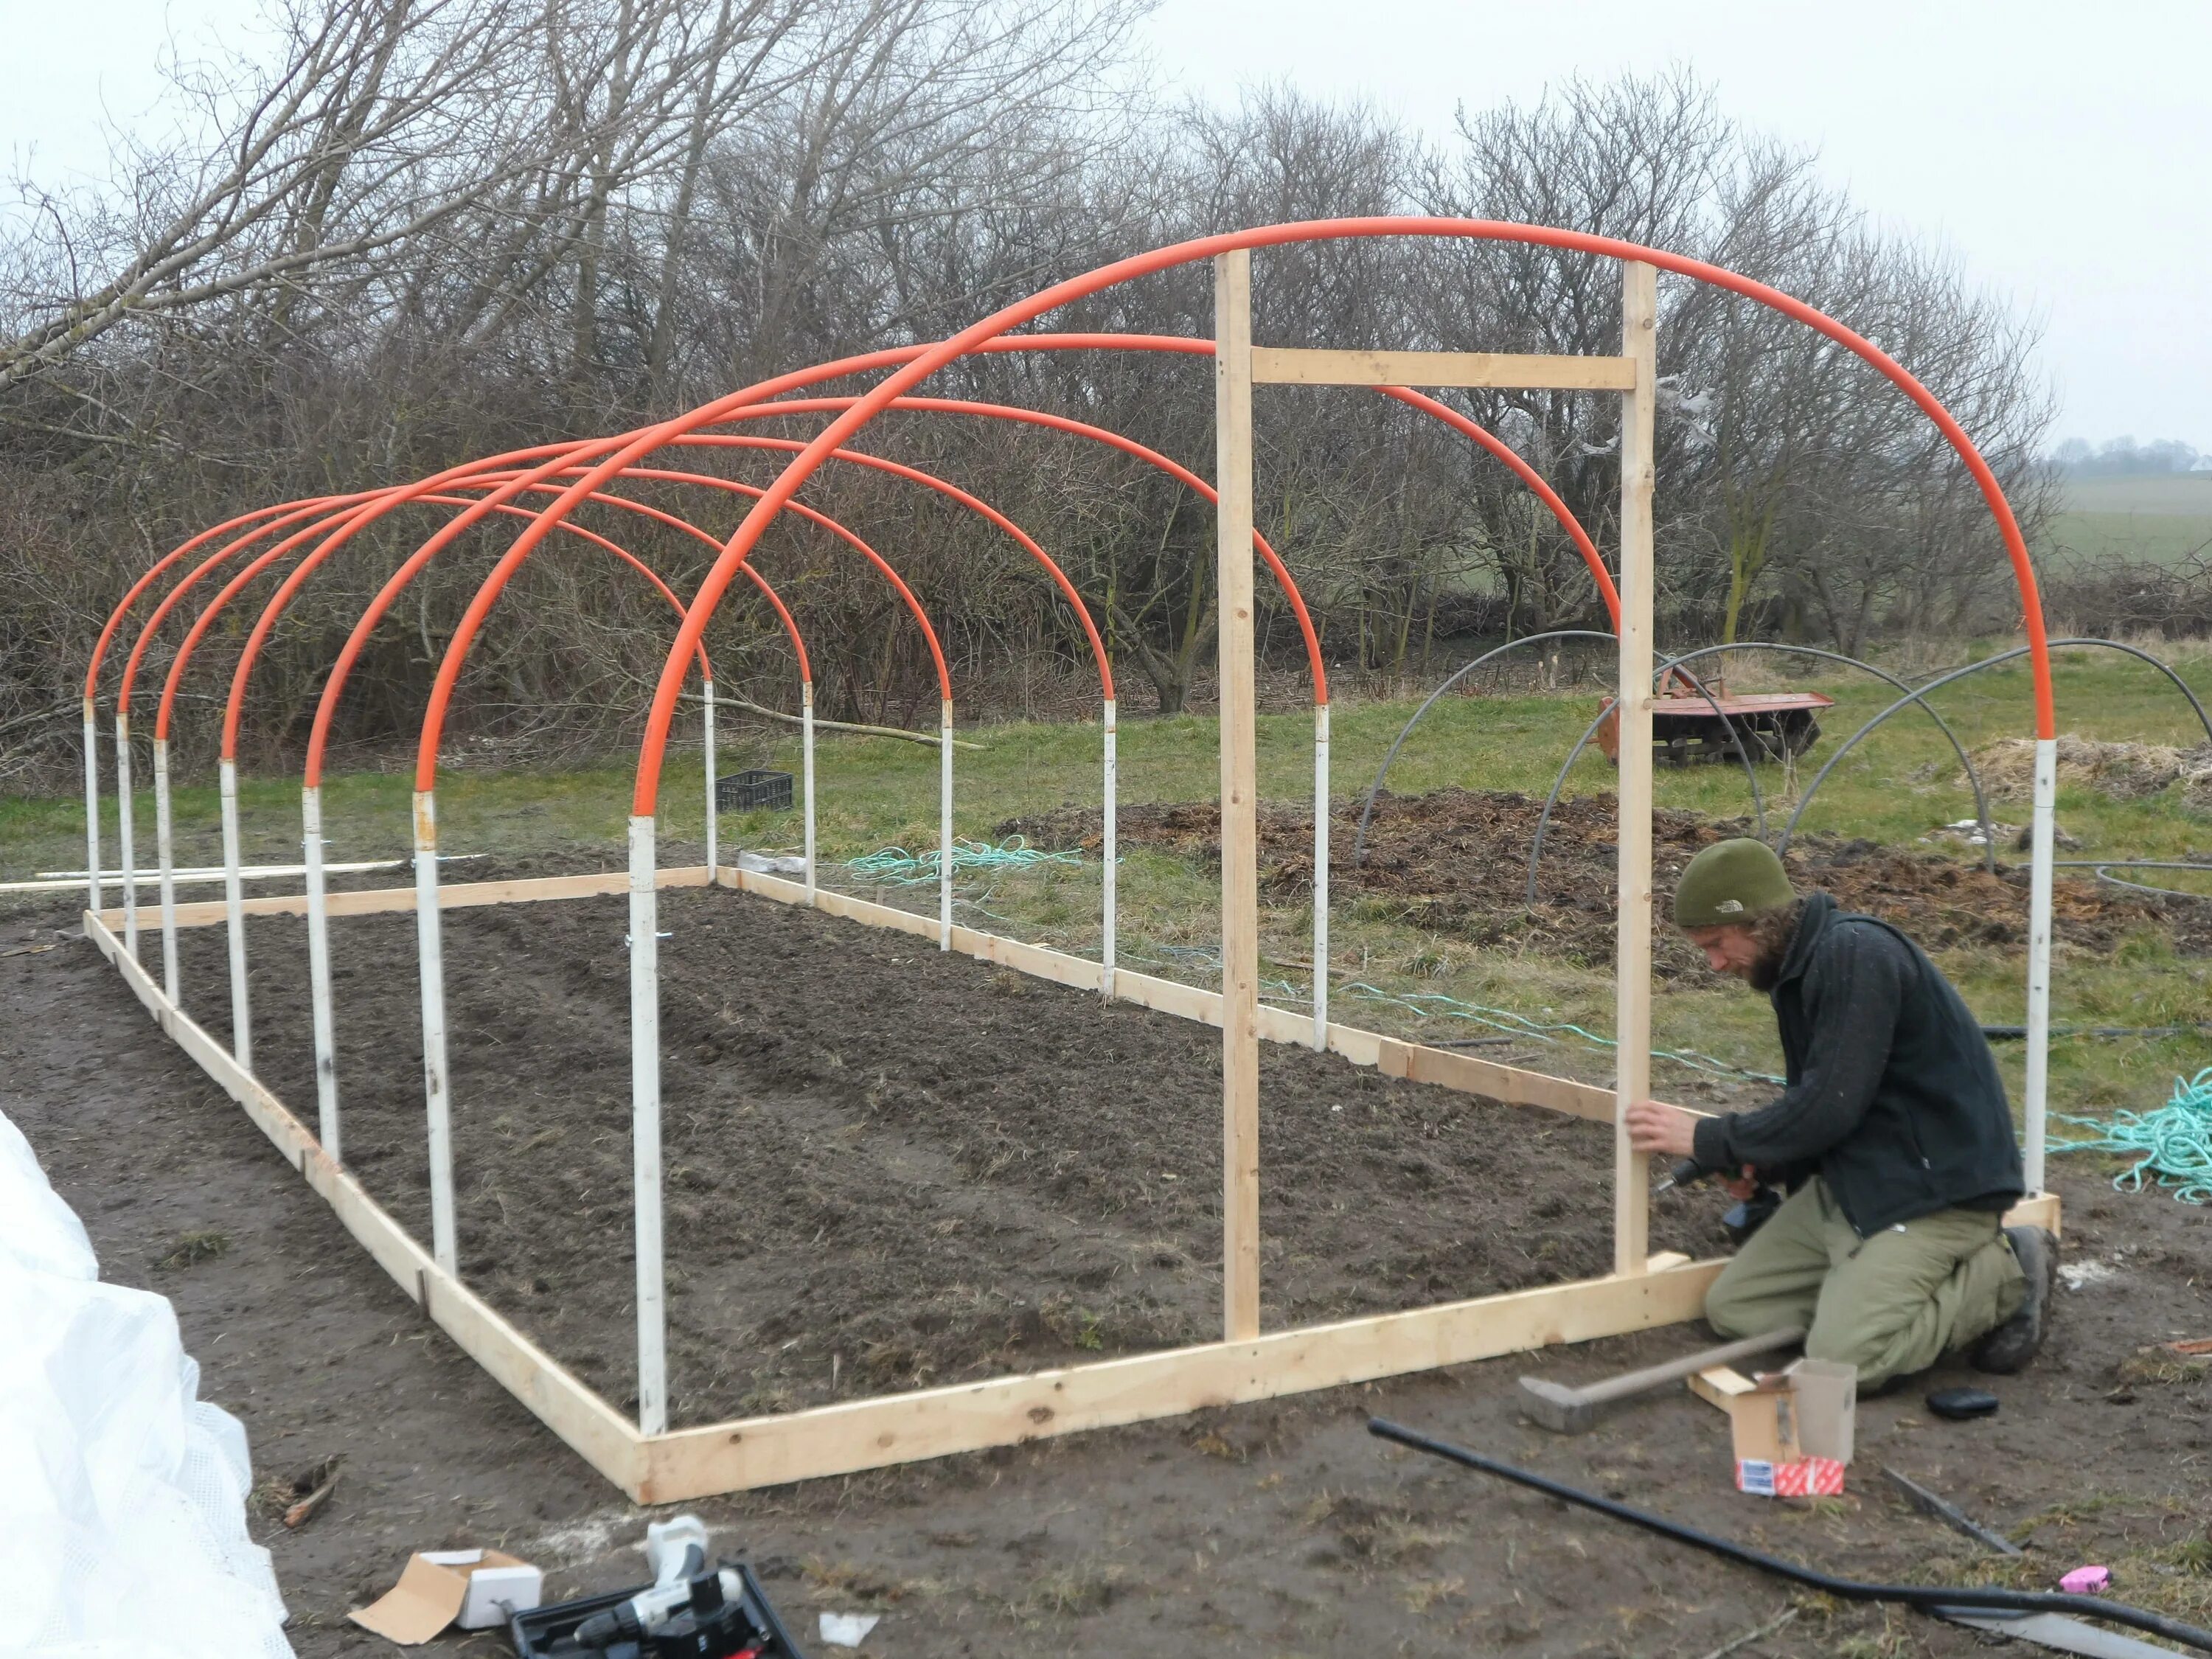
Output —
(1891, 1304)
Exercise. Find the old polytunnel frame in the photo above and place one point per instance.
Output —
(653, 1463)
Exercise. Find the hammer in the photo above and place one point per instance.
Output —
(1563, 1410)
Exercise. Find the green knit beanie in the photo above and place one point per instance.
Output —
(1731, 881)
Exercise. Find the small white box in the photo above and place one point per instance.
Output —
(499, 1586)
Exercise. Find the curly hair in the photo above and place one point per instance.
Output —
(1773, 931)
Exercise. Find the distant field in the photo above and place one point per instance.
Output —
(2163, 517)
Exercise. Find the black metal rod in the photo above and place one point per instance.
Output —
(1926, 1597)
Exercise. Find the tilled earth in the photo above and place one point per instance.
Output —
(1457, 860)
(886, 1166)
(1271, 1530)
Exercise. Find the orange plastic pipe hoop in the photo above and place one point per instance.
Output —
(911, 373)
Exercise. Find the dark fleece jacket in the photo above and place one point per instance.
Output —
(1893, 1097)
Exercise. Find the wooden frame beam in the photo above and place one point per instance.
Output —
(740, 1454)
(1631, 1028)
(1240, 833)
(369, 901)
(1293, 366)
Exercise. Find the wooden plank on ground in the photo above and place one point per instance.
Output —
(585, 1422)
(460, 896)
(1511, 1084)
(2040, 1211)
(1297, 365)
(766, 1451)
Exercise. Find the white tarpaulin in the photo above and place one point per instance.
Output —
(122, 1493)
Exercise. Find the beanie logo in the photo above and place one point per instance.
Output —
(1728, 907)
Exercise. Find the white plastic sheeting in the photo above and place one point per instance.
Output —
(122, 1494)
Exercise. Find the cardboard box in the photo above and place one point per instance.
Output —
(1792, 1430)
(476, 1590)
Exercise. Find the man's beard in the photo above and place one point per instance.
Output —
(1775, 932)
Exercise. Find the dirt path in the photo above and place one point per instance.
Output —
(1269, 1530)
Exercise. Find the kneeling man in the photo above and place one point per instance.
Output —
(1893, 1137)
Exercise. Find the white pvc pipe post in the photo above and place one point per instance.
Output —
(1106, 851)
(1321, 879)
(944, 828)
(2035, 1107)
(319, 971)
(645, 1129)
(806, 769)
(125, 835)
(91, 807)
(234, 907)
(714, 805)
(436, 1086)
(165, 852)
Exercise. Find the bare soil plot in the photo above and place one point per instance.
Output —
(1458, 859)
(887, 1166)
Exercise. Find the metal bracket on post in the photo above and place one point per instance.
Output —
(1109, 854)
(91, 807)
(807, 771)
(437, 1097)
(318, 972)
(1321, 879)
(124, 838)
(165, 852)
(2035, 1106)
(645, 1129)
(234, 900)
(714, 805)
(944, 828)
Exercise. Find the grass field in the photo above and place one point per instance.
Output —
(875, 792)
(2162, 518)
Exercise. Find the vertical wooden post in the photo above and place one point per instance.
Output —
(1240, 888)
(1639, 308)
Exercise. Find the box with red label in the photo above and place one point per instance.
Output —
(1793, 1431)
(1809, 1477)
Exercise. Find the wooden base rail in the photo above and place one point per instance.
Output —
(1001, 1411)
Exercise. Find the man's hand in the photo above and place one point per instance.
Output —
(1655, 1126)
(1741, 1188)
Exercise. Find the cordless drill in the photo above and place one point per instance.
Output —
(1744, 1218)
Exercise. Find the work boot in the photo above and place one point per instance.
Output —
(2013, 1343)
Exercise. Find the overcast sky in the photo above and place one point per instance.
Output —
(2063, 150)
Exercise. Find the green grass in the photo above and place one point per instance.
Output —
(2161, 518)
(874, 793)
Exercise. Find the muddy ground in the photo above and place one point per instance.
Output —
(1270, 1530)
(887, 1166)
(1457, 860)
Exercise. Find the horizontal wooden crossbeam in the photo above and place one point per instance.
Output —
(867, 1434)
(1286, 366)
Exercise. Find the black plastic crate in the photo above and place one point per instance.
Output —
(742, 791)
(536, 1633)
